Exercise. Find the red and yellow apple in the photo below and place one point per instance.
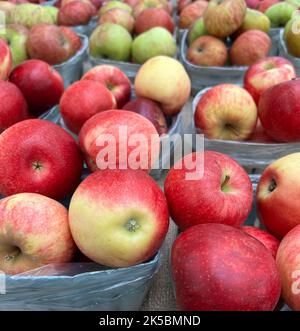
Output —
(118, 16)
(5, 60)
(191, 13)
(75, 13)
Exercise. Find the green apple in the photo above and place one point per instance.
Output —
(53, 11)
(7, 8)
(280, 13)
(295, 3)
(114, 4)
(16, 36)
(154, 42)
(111, 41)
(197, 30)
(255, 20)
(292, 36)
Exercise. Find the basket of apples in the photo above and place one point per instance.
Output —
(128, 35)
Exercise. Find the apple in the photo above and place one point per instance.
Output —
(154, 42)
(164, 80)
(114, 4)
(90, 3)
(253, 4)
(34, 231)
(13, 106)
(207, 51)
(75, 13)
(151, 111)
(259, 135)
(265, 4)
(53, 11)
(266, 73)
(52, 44)
(191, 13)
(213, 264)
(288, 264)
(118, 16)
(151, 18)
(292, 37)
(98, 3)
(181, 4)
(145, 4)
(119, 218)
(255, 20)
(5, 60)
(41, 85)
(82, 100)
(226, 112)
(222, 18)
(7, 8)
(45, 159)
(111, 41)
(280, 13)
(279, 111)
(269, 241)
(196, 30)
(249, 47)
(114, 79)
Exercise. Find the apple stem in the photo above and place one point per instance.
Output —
(12, 255)
(272, 185)
(225, 182)
(132, 225)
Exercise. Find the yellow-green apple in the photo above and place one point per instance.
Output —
(132, 140)
(111, 41)
(151, 111)
(277, 207)
(268, 240)
(279, 111)
(151, 18)
(114, 4)
(181, 4)
(34, 231)
(191, 13)
(266, 73)
(213, 264)
(7, 9)
(114, 79)
(226, 112)
(222, 18)
(5, 60)
(196, 30)
(207, 51)
(75, 13)
(265, 4)
(82, 100)
(154, 42)
(52, 44)
(164, 80)
(222, 193)
(41, 85)
(255, 20)
(119, 218)
(13, 106)
(45, 159)
(118, 16)
(145, 4)
(288, 264)
(250, 47)
(292, 36)
(280, 13)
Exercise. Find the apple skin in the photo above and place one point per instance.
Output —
(151, 111)
(207, 51)
(226, 112)
(118, 16)
(46, 159)
(266, 73)
(5, 60)
(265, 4)
(196, 30)
(41, 85)
(145, 4)
(222, 19)
(34, 231)
(164, 80)
(153, 17)
(281, 103)
(222, 195)
(291, 38)
(213, 264)
(114, 79)
(52, 44)
(250, 47)
(131, 3)
(255, 20)
(280, 13)
(253, 4)
(269, 241)
(13, 106)
(276, 193)
(259, 135)
(108, 123)
(7, 8)
(75, 13)
(191, 13)
(181, 4)
(112, 5)
(288, 264)
(102, 208)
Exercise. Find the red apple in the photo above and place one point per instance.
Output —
(213, 265)
(41, 85)
(13, 106)
(52, 44)
(266, 73)
(191, 13)
(252, 3)
(43, 158)
(132, 140)
(222, 194)
(131, 3)
(181, 4)
(82, 100)
(265, 4)
(249, 47)
(145, 4)
(151, 18)
(34, 231)
(151, 111)
(5, 60)
(269, 241)
(114, 79)
(75, 13)
(119, 218)
(118, 16)
(279, 111)
(288, 263)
